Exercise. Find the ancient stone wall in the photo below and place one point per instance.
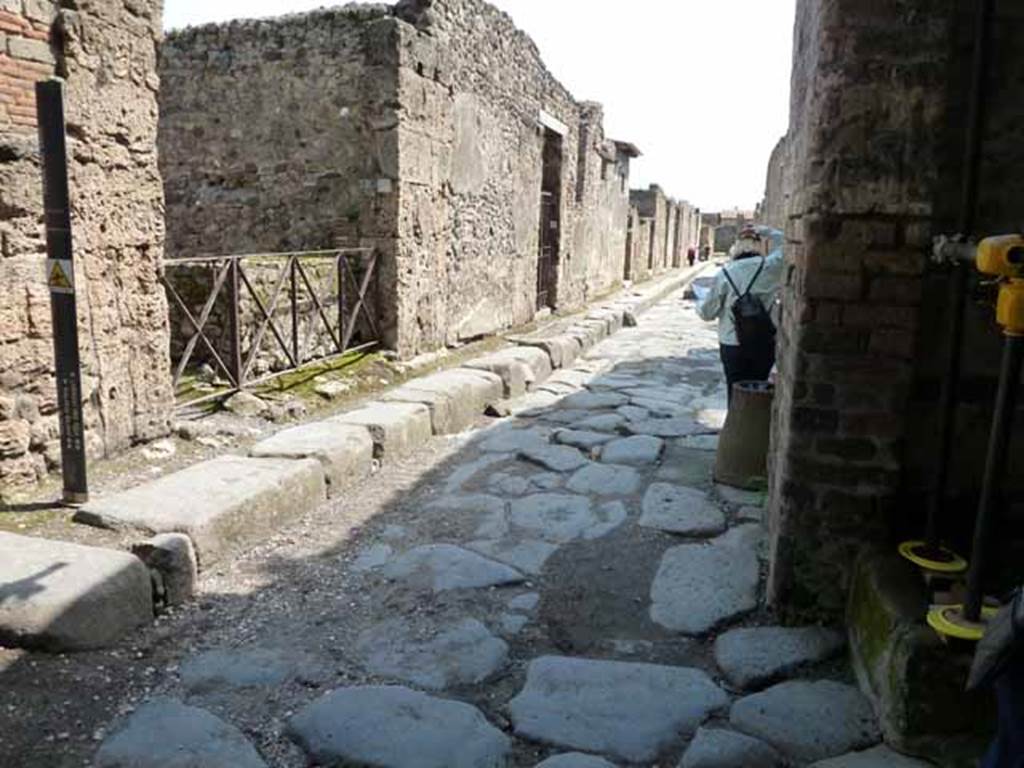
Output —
(876, 153)
(772, 211)
(653, 209)
(106, 52)
(436, 160)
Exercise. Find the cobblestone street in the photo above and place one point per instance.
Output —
(564, 580)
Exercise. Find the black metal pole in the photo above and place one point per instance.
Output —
(60, 276)
(958, 290)
(995, 471)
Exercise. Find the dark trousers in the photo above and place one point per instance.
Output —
(1007, 751)
(746, 363)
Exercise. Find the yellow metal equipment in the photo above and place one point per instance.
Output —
(1001, 257)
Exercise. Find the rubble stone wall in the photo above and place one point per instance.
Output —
(416, 128)
(777, 187)
(653, 209)
(877, 170)
(106, 53)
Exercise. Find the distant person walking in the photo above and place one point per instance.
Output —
(691, 255)
(742, 298)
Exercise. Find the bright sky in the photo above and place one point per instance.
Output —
(701, 86)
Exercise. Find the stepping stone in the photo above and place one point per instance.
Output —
(582, 439)
(699, 586)
(165, 733)
(681, 426)
(525, 556)
(631, 711)
(440, 567)
(394, 727)
(716, 748)
(463, 654)
(738, 496)
(808, 721)
(752, 657)
(591, 401)
(604, 422)
(682, 510)
(243, 668)
(396, 428)
(560, 518)
(879, 757)
(575, 760)
(372, 558)
(242, 500)
(634, 451)
(67, 597)
(346, 452)
(605, 480)
(557, 458)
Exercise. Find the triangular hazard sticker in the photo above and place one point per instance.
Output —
(59, 277)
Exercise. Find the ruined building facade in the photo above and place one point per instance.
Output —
(659, 234)
(431, 132)
(106, 54)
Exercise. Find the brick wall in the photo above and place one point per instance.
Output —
(106, 54)
(875, 152)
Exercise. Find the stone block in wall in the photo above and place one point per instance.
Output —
(30, 50)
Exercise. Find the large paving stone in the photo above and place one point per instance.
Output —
(682, 510)
(582, 439)
(630, 711)
(604, 480)
(602, 422)
(505, 439)
(808, 721)
(60, 596)
(165, 733)
(563, 350)
(220, 504)
(755, 656)
(575, 760)
(440, 567)
(396, 428)
(698, 586)
(560, 518)
(462, 654)
(557, 458)
(637, 451)
(346, 452)
(590, 401)
(526, 556)
(878, 757)
(717, 748)
(680, 426)
(254, 667)
(393, 727)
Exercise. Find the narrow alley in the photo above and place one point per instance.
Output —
(567, 579)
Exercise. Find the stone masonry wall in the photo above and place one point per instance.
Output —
(414, 128)
(876, 153)
(653, 209)
(777, 187)
(106, 52)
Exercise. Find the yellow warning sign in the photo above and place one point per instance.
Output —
(60, 276)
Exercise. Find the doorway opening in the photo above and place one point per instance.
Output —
(550, 221)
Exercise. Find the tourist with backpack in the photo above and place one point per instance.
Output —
(742, 298)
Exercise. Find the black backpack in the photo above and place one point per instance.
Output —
(754, 326)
